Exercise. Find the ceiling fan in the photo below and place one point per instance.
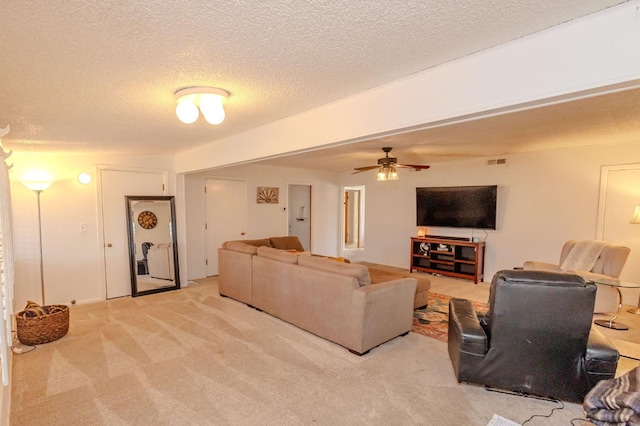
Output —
(387, 166)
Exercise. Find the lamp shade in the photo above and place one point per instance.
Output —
(37, 185)
(636, 216)
(37, 180)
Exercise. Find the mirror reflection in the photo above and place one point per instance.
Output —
(152, 244)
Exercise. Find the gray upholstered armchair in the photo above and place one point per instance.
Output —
(608, 265)
(527, 342)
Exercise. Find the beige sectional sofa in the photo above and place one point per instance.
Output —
(331, 299)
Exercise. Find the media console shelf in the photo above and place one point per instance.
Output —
(455, 258)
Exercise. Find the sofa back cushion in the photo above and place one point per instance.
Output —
(240, 246)
(286, 243)
(360, 272)
(262, 242)
(279, 255)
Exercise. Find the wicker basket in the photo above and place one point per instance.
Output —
(45, 328)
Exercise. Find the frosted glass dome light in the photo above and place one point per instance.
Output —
(186, 110)
(209, 100)
(212, 109)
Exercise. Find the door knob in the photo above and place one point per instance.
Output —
(109, 245)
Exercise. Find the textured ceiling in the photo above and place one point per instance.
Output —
(100, 76)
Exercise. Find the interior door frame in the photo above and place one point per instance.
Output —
(361, 213)
(602, 201)
(100, 168)
(289, 213)
(627, 293)
(245, 220)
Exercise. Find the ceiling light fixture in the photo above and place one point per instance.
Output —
(387, 173)
(209, 100)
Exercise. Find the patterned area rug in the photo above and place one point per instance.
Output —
(433, 320)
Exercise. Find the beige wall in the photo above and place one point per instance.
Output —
(544, 199)
(72, 259)
(265, 220)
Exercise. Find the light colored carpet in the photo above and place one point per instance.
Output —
(189, 357)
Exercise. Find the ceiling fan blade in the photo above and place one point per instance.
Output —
(413, 166)
(364, 169)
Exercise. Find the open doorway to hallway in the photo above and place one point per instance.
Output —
(353, 223)
(300, 213)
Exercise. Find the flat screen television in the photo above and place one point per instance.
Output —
(457, 206)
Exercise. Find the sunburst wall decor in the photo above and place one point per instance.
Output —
(267, 195)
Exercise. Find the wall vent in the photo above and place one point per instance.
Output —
(497, 161)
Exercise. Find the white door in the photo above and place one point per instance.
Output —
(115, 185)
(620, 194)
(226, 216)
(300, 214)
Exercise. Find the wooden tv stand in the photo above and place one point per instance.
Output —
(455, 258)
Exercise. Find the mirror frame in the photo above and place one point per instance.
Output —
(133, 264)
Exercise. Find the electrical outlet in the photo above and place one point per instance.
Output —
(83, 227)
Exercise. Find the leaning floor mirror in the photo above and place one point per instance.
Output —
(153, 253)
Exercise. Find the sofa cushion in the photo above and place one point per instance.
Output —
(240, 246)
(286, 243)
(262, 242)
(360, 272)
(279, 255)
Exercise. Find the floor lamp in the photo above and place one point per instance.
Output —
(636, 221)
(38, 186)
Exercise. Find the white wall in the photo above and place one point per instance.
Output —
(266, 220)
(71, 258)
(544, 199)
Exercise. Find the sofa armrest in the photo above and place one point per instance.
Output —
(601, 358)
(235, 275)
(383, 311)
(540, 266)
(467, 342)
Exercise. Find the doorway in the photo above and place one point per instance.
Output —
(353, 224)
(225, 216)
(619, 196)
(353, 217)
(300, 213)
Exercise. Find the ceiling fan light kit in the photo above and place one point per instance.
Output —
(387, 173)
(206, 100)
(387, 166)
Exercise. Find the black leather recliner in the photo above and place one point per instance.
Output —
(536, 338)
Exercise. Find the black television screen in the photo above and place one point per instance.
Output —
(457, 206)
